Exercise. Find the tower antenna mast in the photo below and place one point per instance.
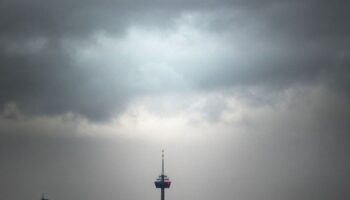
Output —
(162, 161)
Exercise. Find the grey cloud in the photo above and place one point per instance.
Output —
(281, 43)
(290, 145)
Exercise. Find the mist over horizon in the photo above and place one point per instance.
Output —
(249, 99)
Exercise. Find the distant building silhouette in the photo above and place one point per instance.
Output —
(43, 197)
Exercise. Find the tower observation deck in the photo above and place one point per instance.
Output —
(162, 181)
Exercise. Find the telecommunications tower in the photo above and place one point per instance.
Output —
(162, 181)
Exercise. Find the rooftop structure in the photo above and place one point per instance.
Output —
(43, 197)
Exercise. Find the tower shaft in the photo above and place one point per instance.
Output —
(162, 194)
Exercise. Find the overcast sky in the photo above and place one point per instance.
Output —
(249, 99)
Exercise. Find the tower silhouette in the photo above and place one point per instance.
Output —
(43, 197)
(162, 181)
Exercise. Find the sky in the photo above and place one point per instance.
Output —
(249, 99)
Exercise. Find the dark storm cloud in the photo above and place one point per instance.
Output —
(287, 42)
(287, 63)
(48, 83)
(37, 72)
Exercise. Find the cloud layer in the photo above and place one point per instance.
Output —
(250, 94)
(91, 58)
